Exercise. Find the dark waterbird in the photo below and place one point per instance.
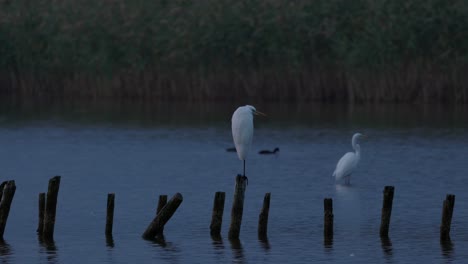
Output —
(265, 152)
(231, 149)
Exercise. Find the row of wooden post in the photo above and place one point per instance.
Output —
(165, 210)
(447, 213)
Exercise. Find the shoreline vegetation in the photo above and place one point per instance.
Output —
(368, 51)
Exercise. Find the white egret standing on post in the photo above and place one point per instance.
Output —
(348, 163)
(242, 130)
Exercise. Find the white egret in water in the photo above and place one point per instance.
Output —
(348, 163)
(242, 130)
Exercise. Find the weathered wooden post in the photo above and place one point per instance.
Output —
(110, 213)
(154, 228)
(217, 215)
(328, 219)
(447, 213)
(40, 225)
(51, 208)
(161, 203)
(386, 210)
(263, 218)
(2, 185)
(237, 207)
(8, 192)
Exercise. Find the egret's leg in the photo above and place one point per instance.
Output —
(245, 177)
(244, 168)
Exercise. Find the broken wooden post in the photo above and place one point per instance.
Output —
(51, 208)
(217, 215)
(447, 213)
(386, 210)
(40, 225)
(8, 192)
(161, 203)
(237, 207)
(328, 219)
(154, 228)
(110, 213)
(263, 218)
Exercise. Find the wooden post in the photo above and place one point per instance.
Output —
(5, 204)
(328, 219)
(237, 207)
(110, 213)
(386, 210)
(263, 218)
(1, 189)
(217, 215)
(161, 203)
(447, 213)
(40, 225)
(51, 208)
(154, 228)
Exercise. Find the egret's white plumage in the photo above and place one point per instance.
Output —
(242, 130)
(348, 163)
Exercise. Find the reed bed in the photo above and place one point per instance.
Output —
(269, 50)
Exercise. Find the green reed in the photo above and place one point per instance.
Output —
(327, 50)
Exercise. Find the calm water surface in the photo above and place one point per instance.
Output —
(142, 152)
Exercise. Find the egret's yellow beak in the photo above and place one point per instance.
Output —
(259, 113)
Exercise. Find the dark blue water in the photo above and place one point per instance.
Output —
(141, 154)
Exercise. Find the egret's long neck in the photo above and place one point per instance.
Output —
(357, 149)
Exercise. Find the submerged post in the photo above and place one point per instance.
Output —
(110, 213)
(155, 227)
(161, 203)
(40, 225)
(447, 213)
(51, 208)
(217, 215)
(8, 192)
(328, 219)
(237, 207)
(386, 210)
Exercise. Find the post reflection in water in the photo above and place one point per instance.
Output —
(218, 247)
(237, 251)
(49, 249)
(169, 251)
(387, 247)
(328, 244)
(217, 242)
(265, 243)
(109, 241)
(447, 249)
(5, 252)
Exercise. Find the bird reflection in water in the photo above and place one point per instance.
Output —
(237, 251)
